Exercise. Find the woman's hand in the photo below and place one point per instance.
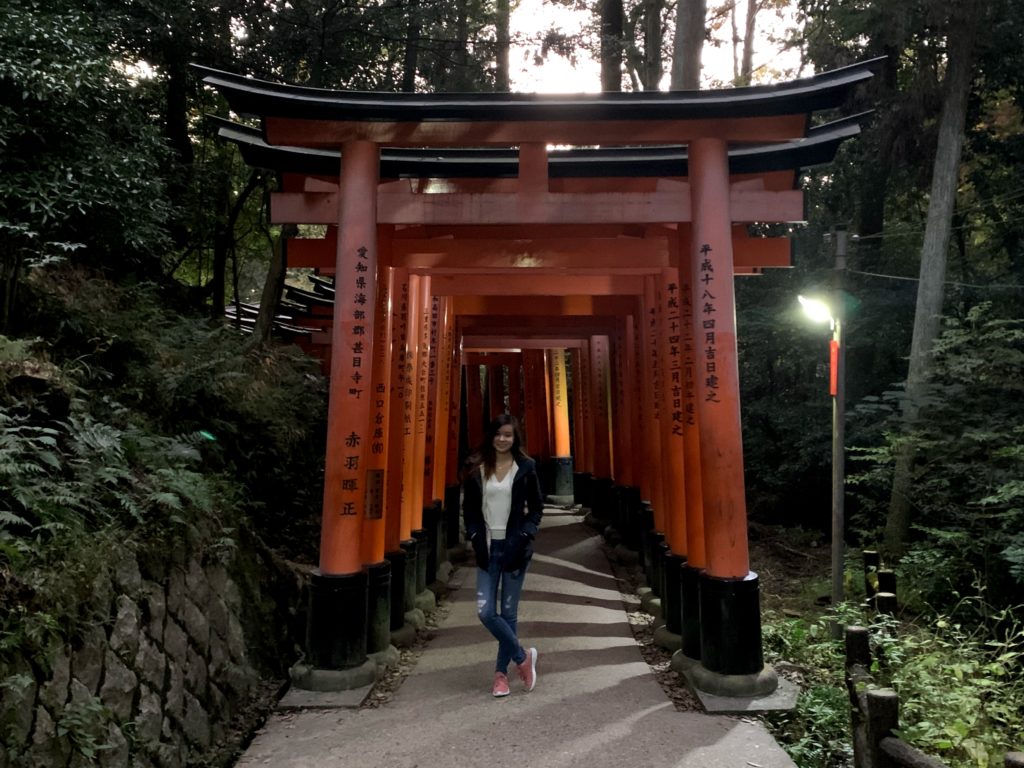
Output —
(515, 553)
(479, 543)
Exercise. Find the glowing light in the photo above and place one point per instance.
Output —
(816, 310)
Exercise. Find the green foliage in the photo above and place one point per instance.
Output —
(83, 723)
(80, 158)
(817, 733)
(179, 375)
(967, 440)
(959, 684)
(102, 447)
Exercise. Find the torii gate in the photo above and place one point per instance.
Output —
(448, 220)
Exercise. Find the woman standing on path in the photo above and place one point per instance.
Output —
(502, 506)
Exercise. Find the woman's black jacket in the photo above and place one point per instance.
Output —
(523, 520)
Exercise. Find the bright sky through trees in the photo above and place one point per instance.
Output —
(559, 75)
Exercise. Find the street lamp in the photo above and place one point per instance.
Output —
(820, 312)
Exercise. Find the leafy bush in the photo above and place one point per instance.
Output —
(135, 426)
(967, 494)
(255, 414)
(80, 158)
(960, 686)
(817, 733)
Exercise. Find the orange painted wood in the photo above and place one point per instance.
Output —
(533, 325)
(547, 253)
(560, 404)
(395, 533)
(549, 411)
(502, 232)
(430, 441)
(579, 443)
(348, 415)
(653, 487)
(634, 399)
(451, 474)
(620, 432)
(440, 397)
(722, 484)
(696, 557)
(671, 424)
(603, 255)
(295, 132)
(533, 402)
(560, 306)
(500, 343)
(600, 383)
(423, 353)
(474, 406)
(553, 208)
(531, 285)
(411, 513)
(533, 170)
(587, 398)
(372, 545)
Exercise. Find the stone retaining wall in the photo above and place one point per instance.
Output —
(159, 677)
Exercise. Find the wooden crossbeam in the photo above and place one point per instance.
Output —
(529, 285)
(605, 254)
(507, 133)
(552, 208)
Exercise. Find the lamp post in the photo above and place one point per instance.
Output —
(819, 311)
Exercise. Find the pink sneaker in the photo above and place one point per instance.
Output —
(528, 669)
(500, 685)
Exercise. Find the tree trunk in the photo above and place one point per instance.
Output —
(747, 62)
(652, 70)
(412, 48)
(176, 116)
(501, 75)
(224, 240)
(612, 27)
(688, 45)
(273, 287)
(928, 312)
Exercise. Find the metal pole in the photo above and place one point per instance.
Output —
(838, 426)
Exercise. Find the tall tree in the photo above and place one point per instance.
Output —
(612, 19)
(502, 20)
(964, 24)
(688, 44)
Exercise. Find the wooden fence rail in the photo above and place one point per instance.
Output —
(875, 716)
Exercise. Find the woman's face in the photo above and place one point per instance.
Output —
(504, 438)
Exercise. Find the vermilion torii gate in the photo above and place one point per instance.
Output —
(453, 231)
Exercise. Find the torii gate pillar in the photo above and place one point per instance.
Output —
(731, 662)
(560, 417)
(336, 633)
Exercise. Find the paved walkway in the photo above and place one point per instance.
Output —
(596, 704)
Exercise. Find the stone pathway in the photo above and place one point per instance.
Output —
(596, 704)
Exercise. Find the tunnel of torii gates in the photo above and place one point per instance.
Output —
(588, 291)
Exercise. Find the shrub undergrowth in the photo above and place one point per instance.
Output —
(124, 424)
(960, 685)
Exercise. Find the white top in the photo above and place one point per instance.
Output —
(497, 503)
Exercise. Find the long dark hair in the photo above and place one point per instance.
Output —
(485, 455)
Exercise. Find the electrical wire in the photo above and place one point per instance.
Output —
(998, 286)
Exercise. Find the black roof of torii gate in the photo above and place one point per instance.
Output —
(248, 96)
(817, 148)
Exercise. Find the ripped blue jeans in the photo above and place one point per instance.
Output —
(500, 622)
